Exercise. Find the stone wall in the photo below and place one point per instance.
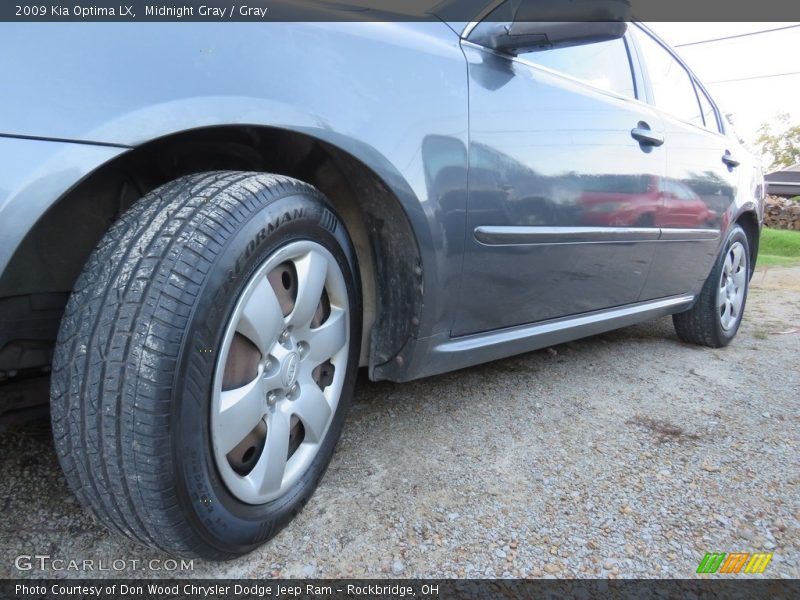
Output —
(782, 213)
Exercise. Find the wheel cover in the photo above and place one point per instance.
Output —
(732, 286)
(280, 371)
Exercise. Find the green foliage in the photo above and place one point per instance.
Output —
(780, 242)
(779, 247)
(779, 143)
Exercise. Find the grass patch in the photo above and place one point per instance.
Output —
(779, 247)
(770, 260)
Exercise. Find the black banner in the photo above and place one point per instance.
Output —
(455, 589)
(373, 10)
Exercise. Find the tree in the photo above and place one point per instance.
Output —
(779, 143)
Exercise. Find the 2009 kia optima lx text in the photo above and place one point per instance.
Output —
(209, 229)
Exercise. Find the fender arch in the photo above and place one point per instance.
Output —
(380, 210)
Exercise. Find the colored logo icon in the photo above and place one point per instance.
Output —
(734, 562)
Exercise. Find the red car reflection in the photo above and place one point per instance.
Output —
(643, 201)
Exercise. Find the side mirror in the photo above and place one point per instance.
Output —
(519, 26)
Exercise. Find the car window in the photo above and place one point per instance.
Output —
(668, 187)
(672, 86)
(604, 65)
(709, 113)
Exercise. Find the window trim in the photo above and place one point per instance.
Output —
(634, 81)
(700, 89)
(628, 52)
(479, 18)
(721, 130)
(636, 78)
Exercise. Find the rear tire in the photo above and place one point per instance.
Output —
(715, 318)
(147, 386)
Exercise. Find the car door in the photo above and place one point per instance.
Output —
(563, 169)
(701, 172)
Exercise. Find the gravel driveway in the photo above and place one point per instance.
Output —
(625, 455)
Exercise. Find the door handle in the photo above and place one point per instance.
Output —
(646, 136)
(729, 160)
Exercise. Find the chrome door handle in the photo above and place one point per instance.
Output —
(646, 136)
(729, 160)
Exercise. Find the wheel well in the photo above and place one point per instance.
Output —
(749, 222)
(47, 263)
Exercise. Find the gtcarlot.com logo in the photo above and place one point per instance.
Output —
(44, 562)
(734, 562)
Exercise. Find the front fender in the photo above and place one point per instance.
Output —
(34, 174)
(374, 90)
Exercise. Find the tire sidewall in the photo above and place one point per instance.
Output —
(220, 518)
(736, 234)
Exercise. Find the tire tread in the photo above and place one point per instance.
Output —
(118, 346)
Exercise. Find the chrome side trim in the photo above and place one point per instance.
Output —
(598, 319)
(442, 354)
(512, 235)
(689, 235)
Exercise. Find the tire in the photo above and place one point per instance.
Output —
(171, 344)
(712, 321)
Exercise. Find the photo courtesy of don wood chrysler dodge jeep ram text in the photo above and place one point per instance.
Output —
(204, 247)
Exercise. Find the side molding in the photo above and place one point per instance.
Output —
(439, 354)
(533, 235)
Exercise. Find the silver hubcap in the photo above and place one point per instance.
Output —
(280, 372)
(732, 286)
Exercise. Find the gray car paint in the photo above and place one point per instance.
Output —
(548, 135)
(393, 95)
(376, 91)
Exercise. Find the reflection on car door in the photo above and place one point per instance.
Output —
(700, 187)
(682, 207)
(563, 198)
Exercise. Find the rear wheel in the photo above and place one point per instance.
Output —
(205, 362)
(715, 318)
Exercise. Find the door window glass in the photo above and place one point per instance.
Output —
(672, 86)
(604, 65)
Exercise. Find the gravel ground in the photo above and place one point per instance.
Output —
(625, 455)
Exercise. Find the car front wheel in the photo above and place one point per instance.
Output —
(206, 360)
